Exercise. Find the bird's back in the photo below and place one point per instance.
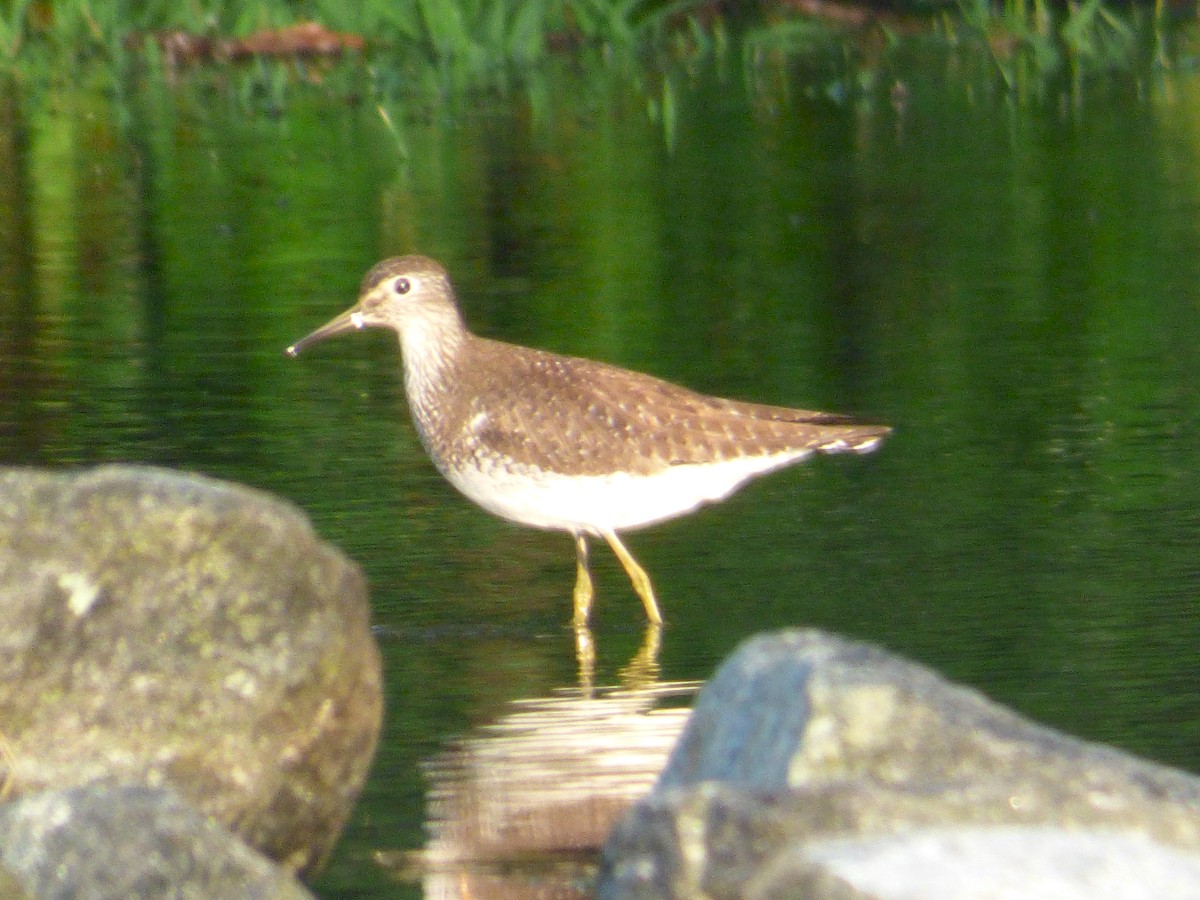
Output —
(577, 416)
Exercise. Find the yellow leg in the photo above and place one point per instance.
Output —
(583, 583)
(641, 581)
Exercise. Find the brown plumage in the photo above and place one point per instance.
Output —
(592, 418)
(567, 443)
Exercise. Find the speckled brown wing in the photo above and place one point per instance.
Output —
(578, 416)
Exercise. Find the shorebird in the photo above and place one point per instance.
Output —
(570, 444)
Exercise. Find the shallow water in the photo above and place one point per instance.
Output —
(1014, 289)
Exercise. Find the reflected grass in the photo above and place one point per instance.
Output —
(1036, 40)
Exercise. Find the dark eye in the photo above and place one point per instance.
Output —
(401, 286)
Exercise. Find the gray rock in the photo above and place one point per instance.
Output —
(11, 887)
(168, 629)
(1003, 863)
(805, 741)
(129, 842)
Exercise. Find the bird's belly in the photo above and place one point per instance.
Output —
(616, 502)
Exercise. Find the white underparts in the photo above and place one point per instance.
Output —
(598, 503)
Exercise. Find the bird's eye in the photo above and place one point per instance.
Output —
(402, 286)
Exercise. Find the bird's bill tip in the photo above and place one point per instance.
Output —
(351, 320)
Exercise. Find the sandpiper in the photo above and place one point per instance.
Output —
(572, 444)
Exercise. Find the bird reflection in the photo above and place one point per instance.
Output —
(640, 673)
(520, 807)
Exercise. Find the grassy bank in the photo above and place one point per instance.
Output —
(398, 47)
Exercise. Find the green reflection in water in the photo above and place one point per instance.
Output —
(1014, 291)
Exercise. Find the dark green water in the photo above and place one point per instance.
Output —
(1014, 289)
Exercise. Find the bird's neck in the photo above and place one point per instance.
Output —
(431, 346)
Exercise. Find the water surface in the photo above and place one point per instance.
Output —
(1012, 288)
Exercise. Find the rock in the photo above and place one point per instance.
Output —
(130, 842)
(168, 629)
(1003, 862)
(11, 888)
(810, 760)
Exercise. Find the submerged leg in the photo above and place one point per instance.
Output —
(583, 582)
(641, 581)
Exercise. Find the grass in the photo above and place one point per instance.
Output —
(417, 46)
(466, 32)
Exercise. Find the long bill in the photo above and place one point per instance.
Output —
(350, 320)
